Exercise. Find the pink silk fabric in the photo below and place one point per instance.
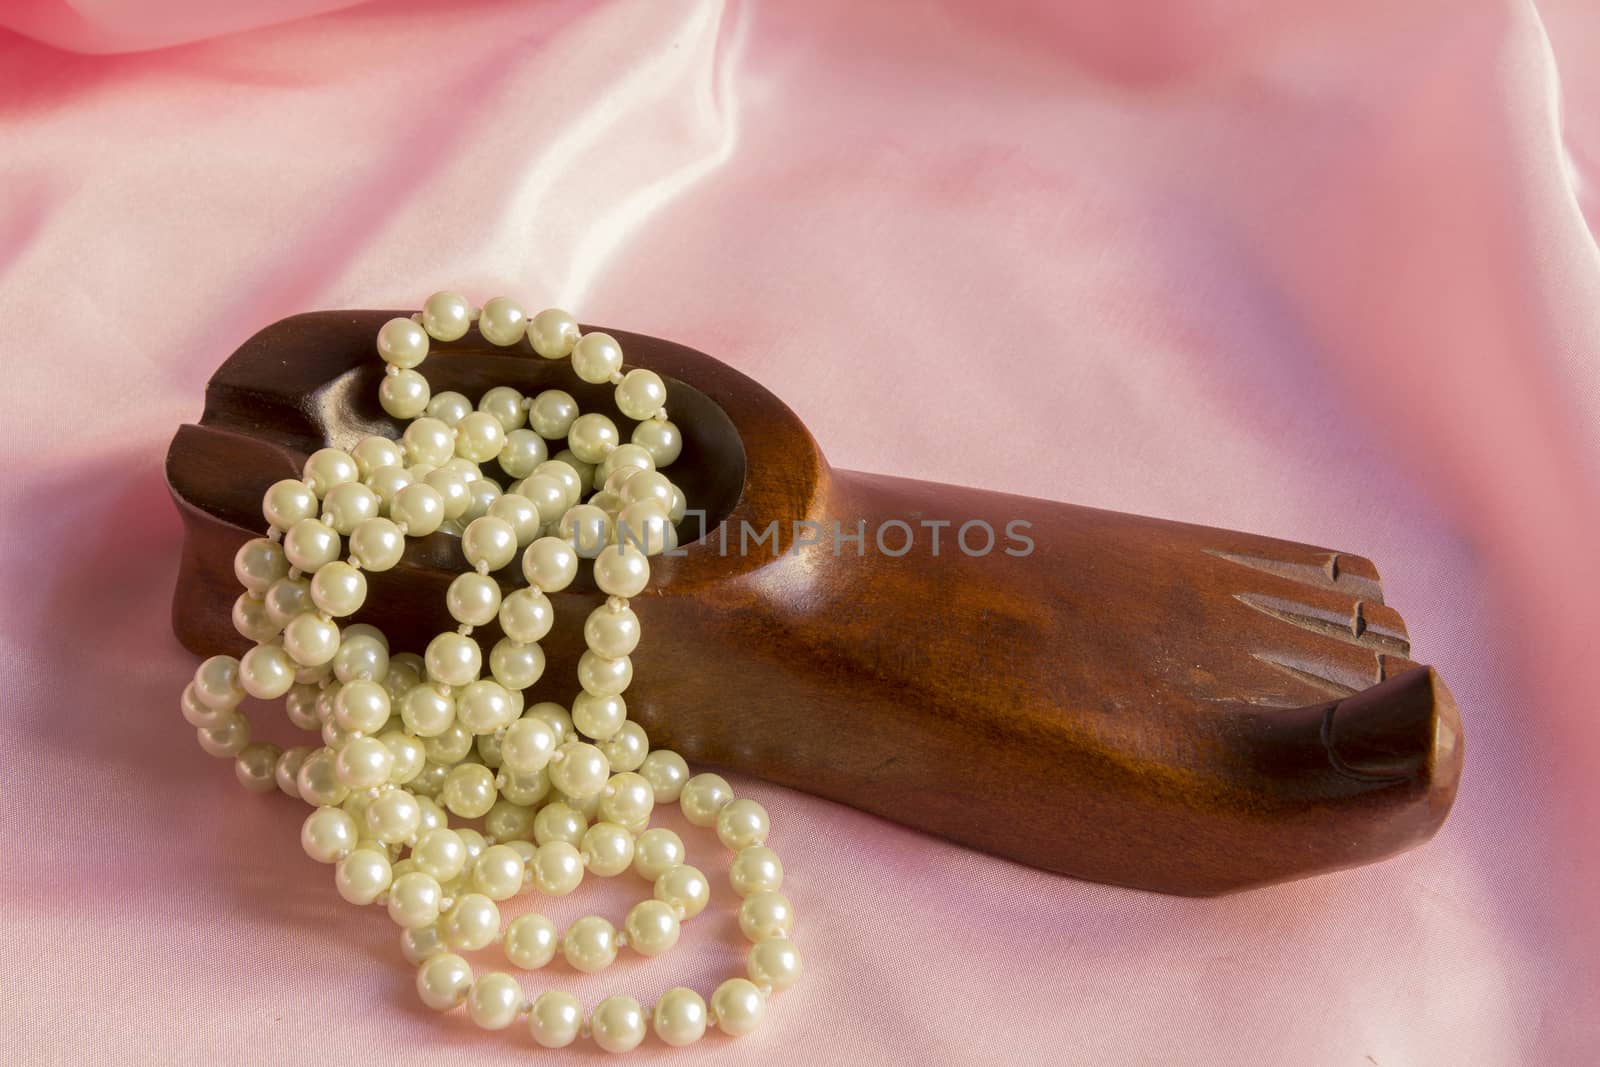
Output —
(1316, 269)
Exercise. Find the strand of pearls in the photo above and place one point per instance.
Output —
(410, 741)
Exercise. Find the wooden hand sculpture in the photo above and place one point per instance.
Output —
(1133, 701)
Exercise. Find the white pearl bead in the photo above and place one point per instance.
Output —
(644, 525)
(626, 749)
(311, 639)
(362, 875)
(666, 771)
(329, 467)
(592, 436)
(374, 453)
(587, 527)
(428, 440)
(522, 452)
(338, 589)
(328, 834)
(266, 672)
(738, 1006)
(420, 508)
(287, 502)
(773, 962)
(472, 924)
(742, 823)
(527, 746)
(489, 542)
(287, 769)
(680, 1017)
(473, 599)
(764, 915)
(479, 437)
(409, 756)
(469, 790)
(567, 469)
(618, 1023)
(197, 713)
(311, 543)
(531, 941)
(250, 618)
(505, 404)
(661, 438)
(377, 544)
(657, 851)
(402, 343)
(557, 868)
(453, 490)
(348, 506)
(579, 769)
(259, 563)
(484, 707)
(627, 800)
(553, 333)
(216, 683)
(555, 1019)
(611, 632)
(590, 944)
(404, 395)
(526, 615)
(556, 717)
(288, 599)
(518, 512)
(598, 717)
(552, 413)
(362, 706)
(394, 817)
(549, 564)
(443, 981)
(755, 869)
(446, 316)
(558, 822)
(449, 407)
(497, 874)
(453, 659)
(607, 849)
(421, 944)
(685, 888)
(318, 780)
(441, 853)
(596, 357)
(621, 570)
(481, 495)
(414, 900)
(703, 796)
(364, 763)
(652, 927)
(502, 321)
(449, 747)
(641, 394)
(361, 655)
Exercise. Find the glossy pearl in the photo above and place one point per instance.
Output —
(419, 509)
(666, 771)
(414, 900)
(553, 333)
(625, 750)
(621, 570)
(428, 440)
(495, 1001)
(421, 944)
(318, 780)
(484, 707)
(402, 343)
(774, 964)
(473, 599)
(603, 677)
(528, 745)
(547, 493)
(590, 944)
(680, 1017)
(652, 927)
(362, 875)
(552, 413)
(394, 817)
(531, 941)
(549, 564)
(765, 915)
(738, 1006)
(469, 790)
(479, 437)
(349, 505)
(641, 394)
(364, 763)
(377, 544)
(579, 769)
(441, 853)
(557, 868)
(557, 821)
(502, 321)
(703, 796)
(607, 849)
(287, 502)
(259, 563)
(310, 543)
(449, 407)
(684, 888)
(742, 823)
(266, 672)
(329, 467)
(555, 1019)
(596, 357)
(497, 874)
(446, 316)
(338, 589)
(627, 800)
(287, 770)
(518, 512)
(657, 851)
(598, 717)
(592, 436)
(661, 438)
(756, 869)
(472, 924)
(618, 1024)
(505, 404)
(404, 395)
(443, 981)
(522, 452)
(328, 834)
(428, 712)
(453, 659)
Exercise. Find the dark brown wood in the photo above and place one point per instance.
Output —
(1136, 701)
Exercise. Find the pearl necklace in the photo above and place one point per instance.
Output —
(409, 741)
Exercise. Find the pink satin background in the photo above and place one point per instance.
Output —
(1319, 270)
